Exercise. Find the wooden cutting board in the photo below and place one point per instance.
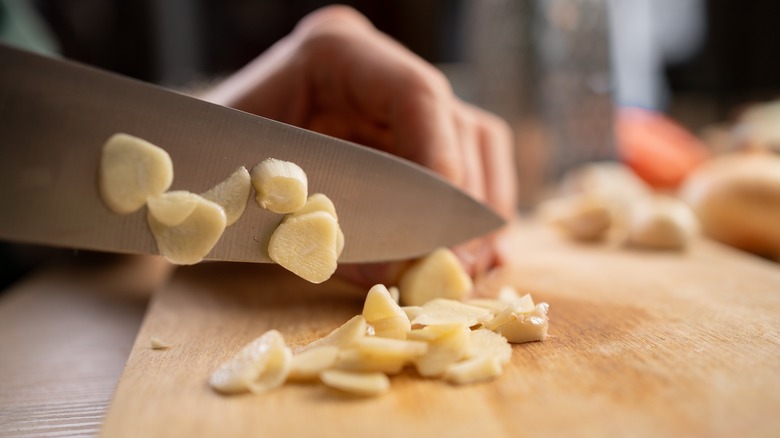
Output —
(641, 343)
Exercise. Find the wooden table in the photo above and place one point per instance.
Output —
(641, 343)
(65, 334)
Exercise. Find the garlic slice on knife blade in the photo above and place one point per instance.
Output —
(232, 194)
(132, 170)
(189, 241)
(280, 186)
(307, 245)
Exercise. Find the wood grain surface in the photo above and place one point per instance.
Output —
(65, 334)
(641, 344)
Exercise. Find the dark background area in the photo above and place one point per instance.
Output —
(740, 59)
(738, 63)
(126, 35)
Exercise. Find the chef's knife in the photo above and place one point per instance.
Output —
(55, 116)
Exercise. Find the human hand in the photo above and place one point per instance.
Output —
(338, 75)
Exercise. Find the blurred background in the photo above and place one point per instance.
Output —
(556, 69)
(551, 67)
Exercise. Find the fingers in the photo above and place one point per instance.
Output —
(471, 159)
(496, 149)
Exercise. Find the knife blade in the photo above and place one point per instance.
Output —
(57, 114)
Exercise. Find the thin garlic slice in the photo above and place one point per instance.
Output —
(478, 369)
(444, 311)
(189, 241)
(484, 342)
(449, 347)
(526, 327)
(132, 170)
(317, 202)
(487, 354)
(232, 194)
(352, 359)
(307, 246)
(343, 336)
(412, 311)
(511, 311)
(308, 364)
(506, 295)
(261, 365)
(392, 348)
(320, 202)
(384, 314)
(380, 354)
(172, 208)
(363, 384)
(281, 186)
(437, 275)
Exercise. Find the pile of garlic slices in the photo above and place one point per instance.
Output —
(186, 226)
(460, 341)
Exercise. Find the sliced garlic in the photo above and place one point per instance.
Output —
(317, 202)
(484, 342)
(444, 311)
(189, 241)
(511, 311)
(384, 314)
(363, 384)
(494, 305)
(487, 354)
(352, 359)
(232, 194)
(307, 245)
(450, 346)
(132, 170)
(478, 369)
(172, 208)
(390, 348)
(308, 364)
(343, 336)
(320, 202)
(506, 295)
(412, 311)
(281, 186)
(437, 275)
(395, 327)
(261, 365)
(526, 327)
(380, 354)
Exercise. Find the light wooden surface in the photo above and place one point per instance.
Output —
(641, 344)
(65, 334)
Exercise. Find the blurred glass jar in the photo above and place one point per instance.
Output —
(544, 66)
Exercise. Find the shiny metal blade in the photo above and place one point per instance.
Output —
(55, 117)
